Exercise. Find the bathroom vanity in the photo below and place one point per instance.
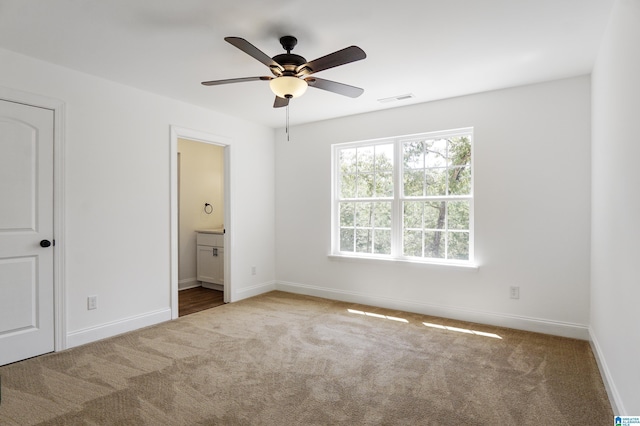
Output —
(210, 257)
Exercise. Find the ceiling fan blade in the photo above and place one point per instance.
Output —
(254, 52)
(280, 102)
(334, 86)
(341, 57)
(234, 80)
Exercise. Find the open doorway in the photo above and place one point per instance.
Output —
(200, 228)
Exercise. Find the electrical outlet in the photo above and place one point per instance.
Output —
(253, 270)
(92, 302)
(514, 292)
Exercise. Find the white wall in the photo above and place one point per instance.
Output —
(532, 200)
(117, 186)
(201, 181)
(615, 269)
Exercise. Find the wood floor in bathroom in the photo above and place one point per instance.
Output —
(198, 299)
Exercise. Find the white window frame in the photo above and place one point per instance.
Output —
(398, 199)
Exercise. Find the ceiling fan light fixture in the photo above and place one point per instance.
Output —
(288, 87)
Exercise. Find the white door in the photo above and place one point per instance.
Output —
(26, 225)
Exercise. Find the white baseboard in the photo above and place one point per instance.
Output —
(612, 391)
(557, 328)
(91, 334)
(253, 290)
(188, 283)
(212, 286)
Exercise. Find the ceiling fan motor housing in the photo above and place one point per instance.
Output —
(289, 61)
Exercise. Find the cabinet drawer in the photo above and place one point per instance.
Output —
(215, 240)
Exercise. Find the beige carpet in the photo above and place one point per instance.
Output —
(284, 359)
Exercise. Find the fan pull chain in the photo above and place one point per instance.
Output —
(287, 128)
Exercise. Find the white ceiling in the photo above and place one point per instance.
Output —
(433, 49)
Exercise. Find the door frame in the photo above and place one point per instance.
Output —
(59, 283)
(204, 137)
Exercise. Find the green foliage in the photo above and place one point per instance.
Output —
(437, 167)
(458, 245)
(365, 226)
(366, 172)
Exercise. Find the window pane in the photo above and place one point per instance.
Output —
(413, 214)
(363, 241)
(458, 245)
(458, 215)
(347, 213)
(460, 181)
(384, 185)
(384, 157)
(347, 160)
(436, 153)
(434, 214)
(413, 183)
(365, 159)
(382, 215)
(460, 151)
(436, 181)
(347, 186)
(346, 239)
(364, 215)
(413, 153)
(365, 185)
(382, 241)
(434, 244)
(412, 243)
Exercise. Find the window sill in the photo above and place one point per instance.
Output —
(382, 260)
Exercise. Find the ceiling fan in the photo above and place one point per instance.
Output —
(292, 73)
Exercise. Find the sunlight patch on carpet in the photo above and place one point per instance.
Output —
(462, 330)
(371, 314)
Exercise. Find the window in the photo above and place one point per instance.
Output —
(408, 198)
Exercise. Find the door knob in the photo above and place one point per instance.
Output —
(45, 243)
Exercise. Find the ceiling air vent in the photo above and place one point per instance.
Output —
(397, 98)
